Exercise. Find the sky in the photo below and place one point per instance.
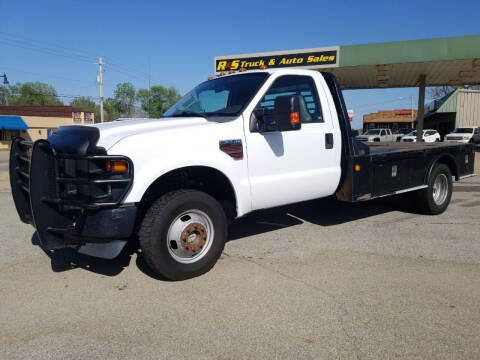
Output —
(173, 43)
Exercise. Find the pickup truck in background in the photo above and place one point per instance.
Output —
(464, 135)
(377, 135)
(232, 145)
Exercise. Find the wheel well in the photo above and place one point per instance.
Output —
(450, 162)
(202, 178)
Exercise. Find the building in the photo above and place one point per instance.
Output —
(460, 108)
(36, 122)
(389, 119)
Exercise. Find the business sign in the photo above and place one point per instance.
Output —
(350, 115)
(77, 117)
(307, 59)
(88, 117)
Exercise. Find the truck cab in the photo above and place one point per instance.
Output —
(232, 145)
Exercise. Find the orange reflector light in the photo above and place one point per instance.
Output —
(117, 166)
(263, 67)
(221, 74)
(242, 69)
(231, 71)
(294, 118)
(357, 167)
(210, 78)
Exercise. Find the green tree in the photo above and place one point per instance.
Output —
(158, 100)
(84, 101)
(124, 97)
(33, 93)
(111, 109)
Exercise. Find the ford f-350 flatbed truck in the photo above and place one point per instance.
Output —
(234, 144)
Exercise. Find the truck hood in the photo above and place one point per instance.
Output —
(114, 131)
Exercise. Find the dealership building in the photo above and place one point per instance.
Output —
(36, 122)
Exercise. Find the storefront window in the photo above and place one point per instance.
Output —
(8, 135)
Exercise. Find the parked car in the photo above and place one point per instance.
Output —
(429, 135)
(401, 133)
(464, 134)
(376, 135)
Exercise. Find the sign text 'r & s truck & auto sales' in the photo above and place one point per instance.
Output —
(311, 59)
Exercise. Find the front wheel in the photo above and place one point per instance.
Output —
(183, 234)
(435, 198)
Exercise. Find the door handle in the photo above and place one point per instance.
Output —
(329, 141)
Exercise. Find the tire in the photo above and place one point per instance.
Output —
(183, 234)
(435, 198)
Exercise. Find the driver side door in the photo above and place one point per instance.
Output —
(291, 166)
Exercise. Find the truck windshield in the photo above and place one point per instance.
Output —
(373, 132)
(225, 96)
(463, 131)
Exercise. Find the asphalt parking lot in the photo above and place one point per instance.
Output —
(315, 280)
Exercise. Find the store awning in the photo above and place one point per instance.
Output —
(12, 123)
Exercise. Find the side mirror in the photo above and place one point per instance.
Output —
(288, 112)
(287, 115)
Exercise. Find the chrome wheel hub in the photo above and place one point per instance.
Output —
(190, 236)
(440, 189)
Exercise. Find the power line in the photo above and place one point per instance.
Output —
(37, 45)
(46, 51)
(45, 75)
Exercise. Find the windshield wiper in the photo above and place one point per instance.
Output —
(188, 114)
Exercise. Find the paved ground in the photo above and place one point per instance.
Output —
(316, 280)
(4, 161)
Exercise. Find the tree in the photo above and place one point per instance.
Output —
(157, 100)
(111, 109)
(124, 98)
(439, 92)
(84, 101)
(33, 93)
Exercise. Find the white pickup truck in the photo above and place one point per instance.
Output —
(232, 145)
(377, 135)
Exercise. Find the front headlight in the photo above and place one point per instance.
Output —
(466, 137)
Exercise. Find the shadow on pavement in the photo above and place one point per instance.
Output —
(321, 212)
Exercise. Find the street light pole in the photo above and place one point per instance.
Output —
(5, 83)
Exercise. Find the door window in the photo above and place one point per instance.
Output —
(295, 85)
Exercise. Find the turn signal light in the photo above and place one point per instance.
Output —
(357, 167)
(117, 166)
(294, 118)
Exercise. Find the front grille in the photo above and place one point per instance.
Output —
(454, 138)
(22, 164)
(85, 182)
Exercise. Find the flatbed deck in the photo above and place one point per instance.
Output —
(395, 147)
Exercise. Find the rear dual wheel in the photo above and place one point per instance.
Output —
(435, 198)
(183, 234)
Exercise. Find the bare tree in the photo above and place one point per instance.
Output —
(438, 92)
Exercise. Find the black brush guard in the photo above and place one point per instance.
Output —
(64, 189)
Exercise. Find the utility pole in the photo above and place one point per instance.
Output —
(100, 81)
(411, 103)
(421, 106)
(5, 83)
